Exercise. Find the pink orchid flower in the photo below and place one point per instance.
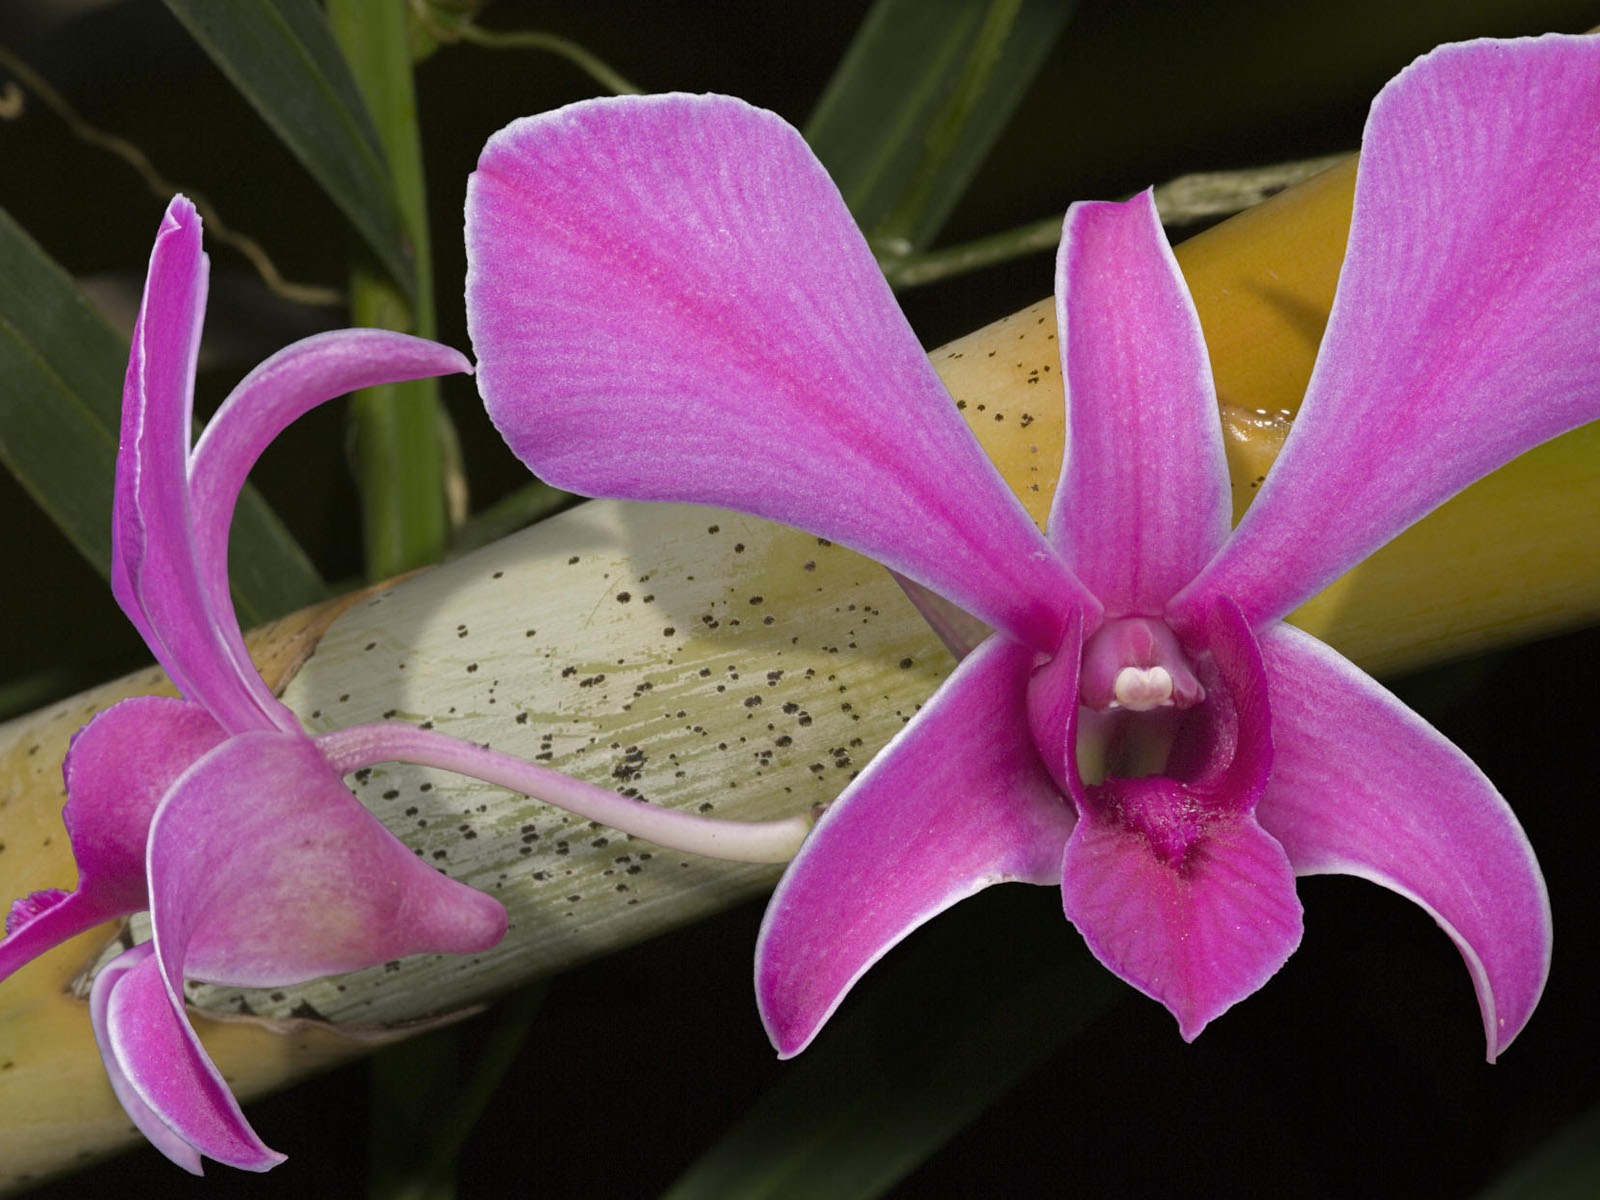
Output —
(218, 813)
(670, 302)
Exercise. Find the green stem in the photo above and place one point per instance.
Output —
(400, 466)
(915, 270)
(452, 27)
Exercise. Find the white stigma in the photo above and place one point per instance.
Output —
(1140, 689)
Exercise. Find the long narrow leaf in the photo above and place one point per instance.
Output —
(62, 368)
(911, 112)
(281, 56)
(940, 1031)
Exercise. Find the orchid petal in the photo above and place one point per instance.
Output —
(1171, 881)
(162, 1075)
(1363, 786)
(1199, 934)
(117, 769)
(957, 802)
(1143, 501)
(1463, 330)
(153, 572)
(682, 268)
(281, 389)
(265, 871)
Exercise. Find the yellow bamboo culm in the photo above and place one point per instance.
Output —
(1510, 559)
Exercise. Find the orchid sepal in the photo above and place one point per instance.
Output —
(878, 864)
(1363, 786)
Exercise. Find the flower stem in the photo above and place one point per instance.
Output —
(361, 746)
(400, 464)
(454, 27)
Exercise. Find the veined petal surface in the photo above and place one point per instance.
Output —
(161, 1074)
(1170, 878)
(1363, 786)
(957, 802)
(1463, 330)
(117, 770)
(1198, 933)
(669, 301)
(153, 572)
(265, 870)
(281, 389)
(1144, 501)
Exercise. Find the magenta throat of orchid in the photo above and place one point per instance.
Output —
(1134, 684)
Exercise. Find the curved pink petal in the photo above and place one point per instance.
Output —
(117, 769)
(284, 387)
(1363, 786)
(265, 870)
(1199, 934)
(153, 571)
(1143, 501)
(1463, 330)
(957, 802)
(161, 1074)
(669, 301)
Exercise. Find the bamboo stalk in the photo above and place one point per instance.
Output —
(719, 663)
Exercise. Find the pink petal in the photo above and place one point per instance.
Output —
(669, 301)
(153, 573)
(286, 386)
(1463, 331)
(957, 802)
(1144, 499)
(1363, 786)
(1171, 881)
(117, 769)
(162, 1075)
(265, 870)
(1199, 934)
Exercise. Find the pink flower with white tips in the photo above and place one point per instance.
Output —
(670, 302)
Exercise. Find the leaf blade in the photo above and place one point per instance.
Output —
(891, 128)
(281, 56)
(59, 417)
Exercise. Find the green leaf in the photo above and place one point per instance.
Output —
(936, 1033)
(281, 56)
(62, 368)
(920, 98)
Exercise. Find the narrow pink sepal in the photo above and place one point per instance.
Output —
(1463, 330)
(1143, 501)
(1199, 934)
(1363, 786)
(265, 871)
(159, 1071)
(957, 802)
(153, 570)
(117, 769)
(281, 389)
(669, 301)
